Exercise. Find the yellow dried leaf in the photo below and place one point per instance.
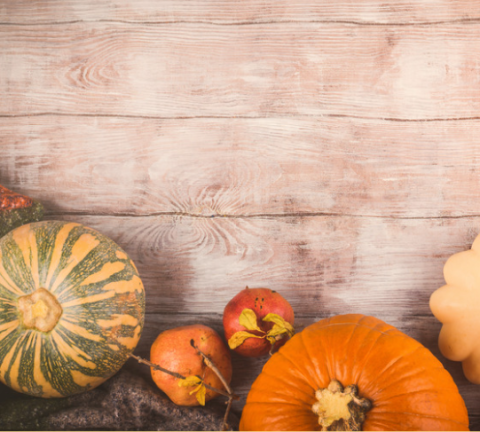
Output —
(276, 333)
(280, 323)
(195, 390)
(276, 330)
(239, 337)
(200, 390)
(248, 319)
(189, 381)
(271, 339)
(201, 395)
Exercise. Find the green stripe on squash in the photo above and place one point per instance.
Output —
(72, 308)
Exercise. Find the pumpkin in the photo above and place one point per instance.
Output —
(353, 372)
(71, 308)
(17, 210)
(457, 306)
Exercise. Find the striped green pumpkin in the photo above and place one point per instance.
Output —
(72, 307)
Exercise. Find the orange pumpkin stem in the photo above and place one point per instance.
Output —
(339, 408)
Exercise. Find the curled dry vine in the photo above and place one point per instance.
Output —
(209, 363)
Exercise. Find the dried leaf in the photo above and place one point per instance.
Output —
(271, 339)
(277, 330)
(239, 337)
(277, 319)
(248, 319)
(276, 333)
(202, 390)
(280, 322)
(189, 381)
(196, 389)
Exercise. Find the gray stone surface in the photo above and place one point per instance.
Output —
(127, 401)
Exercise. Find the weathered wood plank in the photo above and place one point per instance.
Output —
(383, 267)
(424, 329)
(244, 167)
(248, 11)
(185, 70)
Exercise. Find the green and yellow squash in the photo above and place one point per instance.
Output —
(72, 308)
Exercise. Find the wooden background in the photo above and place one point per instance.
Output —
(327, 150)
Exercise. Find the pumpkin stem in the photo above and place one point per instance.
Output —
(40, 310)
(339, 408)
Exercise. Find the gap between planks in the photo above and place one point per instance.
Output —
(259, 215)
(252, 23)
(275, 116)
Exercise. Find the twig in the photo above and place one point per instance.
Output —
(227, 411)
(157, 367)
(212, 366)
(179, 376)
(231, 395)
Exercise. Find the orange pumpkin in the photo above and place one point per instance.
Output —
(353, 372)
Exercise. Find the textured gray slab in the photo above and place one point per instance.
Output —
(128, 401)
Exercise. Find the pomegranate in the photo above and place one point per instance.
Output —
(257, 321)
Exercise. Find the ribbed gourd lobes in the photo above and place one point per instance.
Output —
(72, 308)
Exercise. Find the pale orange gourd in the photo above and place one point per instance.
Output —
(457, 306)
(407, 386)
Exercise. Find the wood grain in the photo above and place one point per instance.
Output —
(248, 11)
(383, 267)
(244, 167)
(203, 70)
